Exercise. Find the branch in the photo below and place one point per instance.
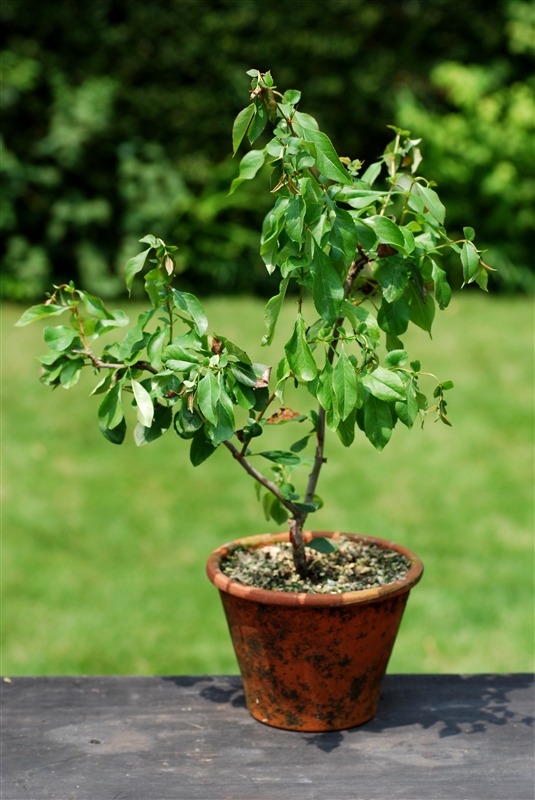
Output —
(110, 365)
(356, 266)
(273, 488)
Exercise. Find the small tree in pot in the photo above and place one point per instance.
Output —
(362, 259)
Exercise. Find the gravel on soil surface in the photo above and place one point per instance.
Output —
(353, 566)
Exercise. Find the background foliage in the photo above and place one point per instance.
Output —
(116, 120)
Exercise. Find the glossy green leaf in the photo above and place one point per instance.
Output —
(70, 374)
(95, 306)
(258, 123)
(469, 233)
(422, 309)
(244, 373)
(272, 311)
(396, 358)
(442, 287)
(384, 385)
(295, 217)
(344, 381)
(133, 266)
(299, 354)
(60, 337)
(249, 166)
(346, 429)
(327, 160)
(393, 276)
(240, 126)
(110, 412)
(224, 427)
(245, 397)
(161, 423)
(407, 410)
(470, 262)
(281, 457)
(432, 202)
(156, 345)
(201, 448)
(208, 395)
(387, 231)
(296, 447)
(145, 407)
(114, 435)
(377, 421)
(327, 286)
(394, 317)
(40, 312)
(191, 305)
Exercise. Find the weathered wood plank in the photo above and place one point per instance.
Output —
(436, 737)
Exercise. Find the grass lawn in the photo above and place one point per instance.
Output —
(103, 547)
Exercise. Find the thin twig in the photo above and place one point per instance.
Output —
(272, 487)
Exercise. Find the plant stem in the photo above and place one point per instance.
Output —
(296, 523)
(269, 485)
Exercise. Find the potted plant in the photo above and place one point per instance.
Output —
(313, 615)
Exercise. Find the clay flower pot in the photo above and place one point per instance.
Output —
(312, 662)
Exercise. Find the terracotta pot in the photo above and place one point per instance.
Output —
(313, 662)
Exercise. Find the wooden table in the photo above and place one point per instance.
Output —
(449, 737)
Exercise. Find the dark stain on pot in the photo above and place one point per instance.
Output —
(357, 685)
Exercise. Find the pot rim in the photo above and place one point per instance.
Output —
(271, 597)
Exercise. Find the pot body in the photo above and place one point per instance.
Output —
(313, 662)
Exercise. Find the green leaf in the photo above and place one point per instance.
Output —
(407, 410)
(187, 422)
(384, 385)
(161, 423)
(396, 358)
(372, 173)
(422, 310)
(433, 202)
(377, 421)
(327, 286)
(40, 312)
(272, 311)
(346, 429)
(110, 412)
(241, 123)
(469, 233)
(327, 160)
(155, 346)
(344, 385)
(224, 428)
(245, 397)
(344, 235)
(258, 124)
(387, 231)
(292, 96)
(295, 218)
(299, 354)
(296, 447)
(191, 305)
(59, 338)
(324, 388)
(201, 448)
(393, 276)
(150, 239)
(249, 166)
(208, 392)
(244, 373)
(95, 306)
(104, 384)
(133, 266)
(145, 408)
(322, 545)
(394, 317)
(470, 262)
(442, 287)
(114, 435)
(281, 457)
(70, 374)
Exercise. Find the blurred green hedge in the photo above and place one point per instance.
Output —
(117, 118)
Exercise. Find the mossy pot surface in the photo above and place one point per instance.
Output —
(313, 662)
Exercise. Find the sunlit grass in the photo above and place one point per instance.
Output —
(104, 547)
